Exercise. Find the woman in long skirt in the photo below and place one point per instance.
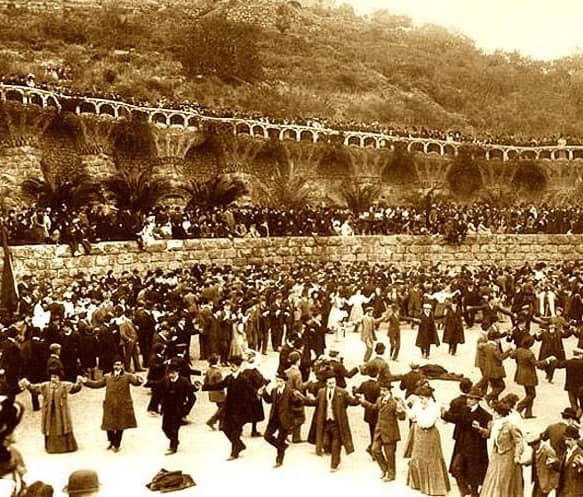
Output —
(427, 469)
(56, 423)
(504, 473)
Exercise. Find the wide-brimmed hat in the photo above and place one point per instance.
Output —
(572, 432)
(569, 413)
(81, 481)
(475, 393)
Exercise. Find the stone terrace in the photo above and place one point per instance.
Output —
(57, 263)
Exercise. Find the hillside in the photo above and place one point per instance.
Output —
(280, 59)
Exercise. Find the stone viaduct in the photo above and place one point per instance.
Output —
(190, 120)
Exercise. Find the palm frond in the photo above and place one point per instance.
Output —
(359, 197)
(138, 191)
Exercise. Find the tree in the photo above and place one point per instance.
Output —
(219, 191)
(215, 46)
(359, 197)
(58, 190)
(287, 189)
(138, 190)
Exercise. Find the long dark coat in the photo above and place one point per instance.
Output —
(453, 327)
(526, 365)
(427, 332)
(470, 452)
(256, 380)
(340, 401)
(237, 409)
(118, 408)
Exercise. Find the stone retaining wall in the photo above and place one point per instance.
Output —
(56, 262)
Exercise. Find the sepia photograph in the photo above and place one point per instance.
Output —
(291, 247)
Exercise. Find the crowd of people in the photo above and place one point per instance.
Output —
(101, 331)
(102, 223)
(56, 80)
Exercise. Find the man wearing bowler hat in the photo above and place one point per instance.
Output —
(469, 460)
(493, 364)
(571, 470)
(177, 399)
(82, 483)
(386, 432)
(555, 433)
(282, 418)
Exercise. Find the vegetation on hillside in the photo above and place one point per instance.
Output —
(302, 62)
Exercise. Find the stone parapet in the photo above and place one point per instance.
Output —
(56, 262)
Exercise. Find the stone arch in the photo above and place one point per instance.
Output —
(15, 95)
(306, 135)
(353, 140)
(108, 109)
(577, 154)
(159, 118)
(242, 128)
(528, 155)
(370, 141)
(449, 150)
(52, 102)
(36, 99)
(433, 147)
(288, 134)
(86, 107)
(416, 147)
(545, 154)
(512, 154)
(496, 154)
(177, 120)
(561, 154)
(193, 122)
(258, 130)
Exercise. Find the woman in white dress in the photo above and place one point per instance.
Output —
(337, 315)
(427, 469)
(356, 301)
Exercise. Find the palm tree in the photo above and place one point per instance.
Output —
(287, 189)
(219, 191)
(138, 190)
(57, 190)
(359, 197)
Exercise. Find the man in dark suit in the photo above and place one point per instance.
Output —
(573, 378)
(571, 471)
(555, 432)
(330, 429)
(281, 416)
(386, 434)
(177, 396)
(370, 390)
(427, 332)
(493, 364)
(469, 460)
(238, 408)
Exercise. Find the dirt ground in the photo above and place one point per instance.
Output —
(203, 452)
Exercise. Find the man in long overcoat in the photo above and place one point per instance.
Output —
(427, 332)
(469, 460)
(118, 408)
(330, 430)
(237, 409)
(177, 400)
